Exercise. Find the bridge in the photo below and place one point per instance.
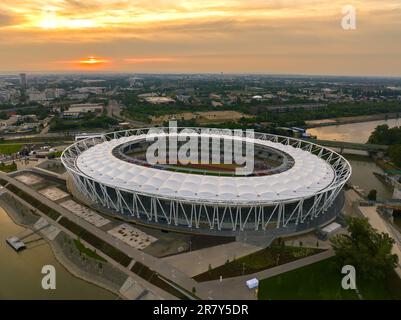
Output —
(350, 145)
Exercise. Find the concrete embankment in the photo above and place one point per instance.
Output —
(65, 251)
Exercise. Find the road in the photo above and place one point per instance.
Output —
(45, 130)
(38, 135)
(197, 262)
(114, 111)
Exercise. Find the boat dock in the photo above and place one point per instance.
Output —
(16, 243)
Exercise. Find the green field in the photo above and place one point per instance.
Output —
(86, 251)
(8, 168)
(10, 148)
(322, 281)
(264, 259)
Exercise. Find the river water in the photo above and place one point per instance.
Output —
(362, 167)
(362, 176)
(20, 273)
(353, 132)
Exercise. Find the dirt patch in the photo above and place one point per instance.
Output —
(203, 117)
(355, 119)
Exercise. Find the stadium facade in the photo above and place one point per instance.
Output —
(302, 190)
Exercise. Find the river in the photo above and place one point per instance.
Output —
(362, 167)
(362, 176)
(20, 273)
(352, 132)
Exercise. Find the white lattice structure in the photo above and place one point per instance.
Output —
(309, 190)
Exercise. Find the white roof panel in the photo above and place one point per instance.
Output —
(308, 175)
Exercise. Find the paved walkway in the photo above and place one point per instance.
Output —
(237, 287)
(350, 198)
(158, 265)
(379, 224)
(197, 262)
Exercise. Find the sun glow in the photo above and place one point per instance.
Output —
(50, 19)
(207, 36)
(93, 61)
(86, 63)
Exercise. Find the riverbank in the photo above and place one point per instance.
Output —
(78, 265)
(363, 169)
(358, 132)
(348, 120)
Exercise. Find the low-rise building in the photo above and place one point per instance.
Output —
(217, 104)
(37, 96)
(76, 110)
(92, 90)
(160, 100)
(78, 96)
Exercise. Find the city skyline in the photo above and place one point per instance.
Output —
(232, 36)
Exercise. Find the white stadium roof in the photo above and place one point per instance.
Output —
(309, 175)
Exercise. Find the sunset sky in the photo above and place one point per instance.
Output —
(232, 36)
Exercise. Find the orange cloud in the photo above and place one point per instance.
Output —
(286, 36)
(140, 60)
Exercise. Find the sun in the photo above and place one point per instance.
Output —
(93, 61)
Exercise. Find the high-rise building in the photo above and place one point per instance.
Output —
(23, 81)
(24, 87)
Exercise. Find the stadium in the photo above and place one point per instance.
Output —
(295, 186)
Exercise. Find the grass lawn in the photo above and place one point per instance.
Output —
(10, 148)
(264, 259)
(387, 166)
(88, 252)
(322, 281)
(8, 168)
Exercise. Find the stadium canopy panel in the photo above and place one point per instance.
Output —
(301, 191)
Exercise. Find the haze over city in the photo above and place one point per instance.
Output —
(232, 36)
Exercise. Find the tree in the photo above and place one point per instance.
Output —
(395, 154)
(380, 135)
(366, 249)
(372, 196)
(3, 115)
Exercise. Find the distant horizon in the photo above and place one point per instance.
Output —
(108, 73)
(301, 37)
